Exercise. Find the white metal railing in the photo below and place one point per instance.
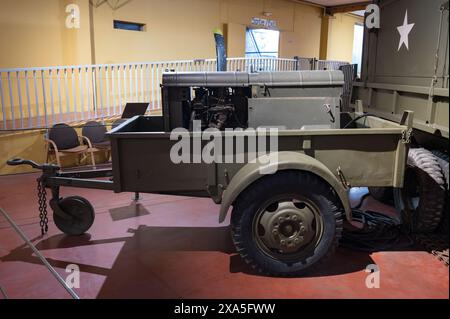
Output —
(41, 97)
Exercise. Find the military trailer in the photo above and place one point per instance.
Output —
(406, 67)
(288, 203)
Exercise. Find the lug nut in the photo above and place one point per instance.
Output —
(294, 218)
(283, 242)
(275, 232)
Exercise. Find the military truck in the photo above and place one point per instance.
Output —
(405, 67)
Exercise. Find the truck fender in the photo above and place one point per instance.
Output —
(250, 172)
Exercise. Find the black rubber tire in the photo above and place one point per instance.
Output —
(443, 160)
(82, 214)
(444, 227)
(424, 169)
(382, 194)
(285, 182)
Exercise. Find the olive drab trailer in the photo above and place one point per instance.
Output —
(405, 66)
(289, 203)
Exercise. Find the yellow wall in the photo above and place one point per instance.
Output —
(175, 29)
(28, 145)
(179, 29)
(235, 34)
(26, 39)
(340, 36)
(33, 32)
(76, 49)
(304, 38)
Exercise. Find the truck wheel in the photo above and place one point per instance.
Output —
(422, 198)
(80, 215)
(286, 223)
(382, 194)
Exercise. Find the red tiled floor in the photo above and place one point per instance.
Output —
(180, 250)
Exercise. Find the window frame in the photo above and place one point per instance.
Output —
(134, 26)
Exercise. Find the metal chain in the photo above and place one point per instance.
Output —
(42, 199)
(406, 136)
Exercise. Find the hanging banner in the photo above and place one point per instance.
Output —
(221, 52)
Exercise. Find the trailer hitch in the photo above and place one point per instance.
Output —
(46, 168)
(48, 171)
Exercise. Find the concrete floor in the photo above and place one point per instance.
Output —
(179, 250)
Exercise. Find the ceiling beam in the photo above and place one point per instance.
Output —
(347, 7)
(309, 3)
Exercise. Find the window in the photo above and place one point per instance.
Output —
(261, 43)
(358, 35)
(132, 26)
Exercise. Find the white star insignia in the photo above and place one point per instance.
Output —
(404, 31)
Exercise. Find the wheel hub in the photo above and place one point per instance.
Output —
(288, 227)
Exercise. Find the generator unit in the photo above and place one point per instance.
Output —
(285, 100)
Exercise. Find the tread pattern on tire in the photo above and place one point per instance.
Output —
(426, 161)
(429, 214)
(258, 188)
(443, 160)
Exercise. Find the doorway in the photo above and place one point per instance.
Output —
(261, 43)
(358, 36)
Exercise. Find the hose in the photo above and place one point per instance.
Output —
(356, 119)
(380, 232)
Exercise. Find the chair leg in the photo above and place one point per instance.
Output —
(92, 158)
(58, 161)
(47, 150)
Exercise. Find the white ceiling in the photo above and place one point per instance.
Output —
(332, 3)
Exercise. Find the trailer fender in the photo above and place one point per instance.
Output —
(250, 172)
